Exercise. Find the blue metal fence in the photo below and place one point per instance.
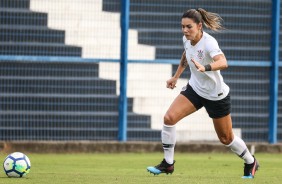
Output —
(117, 106)
(123, 70)
(274, 78)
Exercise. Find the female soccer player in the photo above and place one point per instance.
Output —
(205, 88)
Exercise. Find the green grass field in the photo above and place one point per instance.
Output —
(214, 168)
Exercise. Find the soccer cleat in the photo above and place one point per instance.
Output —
(163, 167)
(250, 169)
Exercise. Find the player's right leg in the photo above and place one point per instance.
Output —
(163, 167)
(180, 108)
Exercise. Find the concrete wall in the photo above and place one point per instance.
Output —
(129, 147)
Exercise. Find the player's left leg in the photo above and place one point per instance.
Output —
(223, 128)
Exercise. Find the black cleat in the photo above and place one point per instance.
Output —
(163, 167)
(250, 169)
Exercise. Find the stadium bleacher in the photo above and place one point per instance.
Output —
(247, 37)
(24, 32)
(89, 111)
(247, 23)
(55, 100)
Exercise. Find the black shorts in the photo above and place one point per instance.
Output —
(215, 109)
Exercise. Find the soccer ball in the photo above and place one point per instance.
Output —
(16, 165)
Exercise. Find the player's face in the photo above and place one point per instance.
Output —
(191, 29)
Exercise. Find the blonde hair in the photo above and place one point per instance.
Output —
(210, 20)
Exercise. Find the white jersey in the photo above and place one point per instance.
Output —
(209, 84)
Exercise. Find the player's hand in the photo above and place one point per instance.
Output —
(200, 67)
(171, 83)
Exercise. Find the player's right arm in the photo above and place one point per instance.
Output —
(181, 67)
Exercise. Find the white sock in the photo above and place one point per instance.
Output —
(239, 147)
(168, 140)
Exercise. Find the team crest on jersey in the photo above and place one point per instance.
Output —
(200, 54)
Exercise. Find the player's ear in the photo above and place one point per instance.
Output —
(200, 26)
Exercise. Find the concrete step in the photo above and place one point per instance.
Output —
(10, 16)
(249, 108)
(51, 134)
(66, 103)
(232, 53)
(71, 120)
(39, 49)
(179, 6)
(15, 4)
(48, 69)
(234, 74)
(280, 118)
(59, 85)
(247, 124)
(172, 21)
(31, 34)
(49, 125)
(256, 134)
(239, 93)
(225, 38)
(247, 120)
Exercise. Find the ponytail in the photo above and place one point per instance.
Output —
(210, 20)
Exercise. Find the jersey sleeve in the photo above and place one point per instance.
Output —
(213, 48)
(184, 40)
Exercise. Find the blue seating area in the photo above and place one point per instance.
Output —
(68, 100)
(246, 38)
(55, 100)
(247, 23)
(63, 101)
(24, 32)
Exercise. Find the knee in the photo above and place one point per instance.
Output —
(169, 119)
(226, 139)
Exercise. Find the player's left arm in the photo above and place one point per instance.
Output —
(219, 63)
